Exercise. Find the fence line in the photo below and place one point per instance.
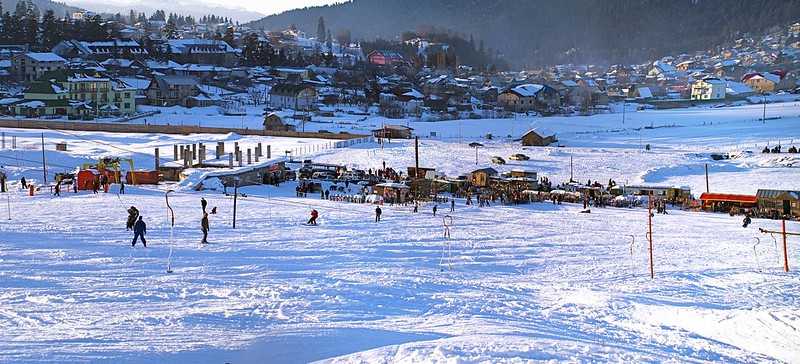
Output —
(164, 129)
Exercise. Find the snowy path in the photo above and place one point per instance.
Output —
(531, 282)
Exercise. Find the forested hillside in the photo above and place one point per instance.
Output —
(60, 9)
(534, 32)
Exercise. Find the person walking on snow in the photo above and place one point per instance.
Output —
(57, 189)
(378, 214)
(203, 204)
(434, 210)
(24, 183)
(204, 227)
(313, 219)
(121, 188)
(452, 205)
(133, 214)
(139, 230)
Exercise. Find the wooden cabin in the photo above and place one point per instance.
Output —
(538, 138)
(776, 203)
(393, 132)
(480, 177)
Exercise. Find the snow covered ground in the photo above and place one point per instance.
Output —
(513, 284)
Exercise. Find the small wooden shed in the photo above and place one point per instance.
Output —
(538, 138)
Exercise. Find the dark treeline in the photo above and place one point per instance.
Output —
(536, 32)
(23, 25)
(468, 51)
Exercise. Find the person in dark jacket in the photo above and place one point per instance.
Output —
(203, 203)
(24, 183)
(313, 219)
(434, 210)
(139, 230)
(452, 205)
(57, 189)
(204, 227)
(133, 214)
(378, 214)
(121, 188)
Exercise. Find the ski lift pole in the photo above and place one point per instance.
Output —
(235, 195)
(783, 233)
(172, 213)
(8, 204)
(650, 232)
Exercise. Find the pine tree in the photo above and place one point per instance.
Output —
(132, 17)
(51, 30)
(171, 30)
(22, 9)
(30, 24)
(229, 37)
(321, 30)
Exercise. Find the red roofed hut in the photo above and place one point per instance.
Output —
(724, 202)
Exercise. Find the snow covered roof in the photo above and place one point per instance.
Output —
(664, 67)
(32, 104)
(414, 93)
(713, 81)
(527, 90)
(195, 45)
(737, 88)
(45, 57)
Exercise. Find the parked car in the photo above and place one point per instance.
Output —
(498, 160)
(519, 157)
(323, 175)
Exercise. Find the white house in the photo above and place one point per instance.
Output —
(709, 88)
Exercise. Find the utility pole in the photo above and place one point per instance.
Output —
(764, 115)
(570, 169)
(44, 163)
(707, 189)
(235, 195)
(623, 111)
(650, 232)
(416, 167)
(785, 248)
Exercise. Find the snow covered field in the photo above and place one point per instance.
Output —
(525, 283)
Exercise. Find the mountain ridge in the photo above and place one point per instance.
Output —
(544, 32)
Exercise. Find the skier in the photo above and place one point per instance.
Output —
(313, 219)
(204, 227)
(434, 210)
(24, 183)
(378, 214)
(203, 203)
(133, 213)
(452, 205)
(139, 230)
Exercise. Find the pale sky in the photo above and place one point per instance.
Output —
(243, 10)
(269, 6)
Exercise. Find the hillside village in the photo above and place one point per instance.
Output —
(313, 196)
(154, 61)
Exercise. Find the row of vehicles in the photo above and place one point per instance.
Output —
(513, 157)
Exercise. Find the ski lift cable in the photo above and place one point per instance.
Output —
(104, 143)
(38, 163)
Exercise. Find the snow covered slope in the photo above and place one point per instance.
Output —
(537, 282)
